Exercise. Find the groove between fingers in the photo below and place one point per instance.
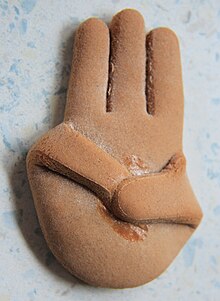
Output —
(149, 88)
(110, 79)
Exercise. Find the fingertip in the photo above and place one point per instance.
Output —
(128, 15)
(94, 25)
(164, 35)
(128, 12)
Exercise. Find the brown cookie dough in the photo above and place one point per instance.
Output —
(109, 183)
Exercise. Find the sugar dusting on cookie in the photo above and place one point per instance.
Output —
(136, 165)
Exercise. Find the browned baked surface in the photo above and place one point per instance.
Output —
(123, 119)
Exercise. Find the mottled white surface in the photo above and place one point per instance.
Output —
(35, 55)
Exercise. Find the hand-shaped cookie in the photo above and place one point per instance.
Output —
(109, 183)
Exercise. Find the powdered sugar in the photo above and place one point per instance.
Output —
(136, 165)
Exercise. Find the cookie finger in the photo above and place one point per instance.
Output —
(164, 88)
(127, 62)
(89, 74)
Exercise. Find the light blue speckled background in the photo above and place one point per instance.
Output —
(35, 55)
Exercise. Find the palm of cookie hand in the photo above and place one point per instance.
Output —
(125, 97)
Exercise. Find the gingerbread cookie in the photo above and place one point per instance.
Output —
(109, 183)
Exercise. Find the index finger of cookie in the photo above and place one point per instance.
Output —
(89, 72)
